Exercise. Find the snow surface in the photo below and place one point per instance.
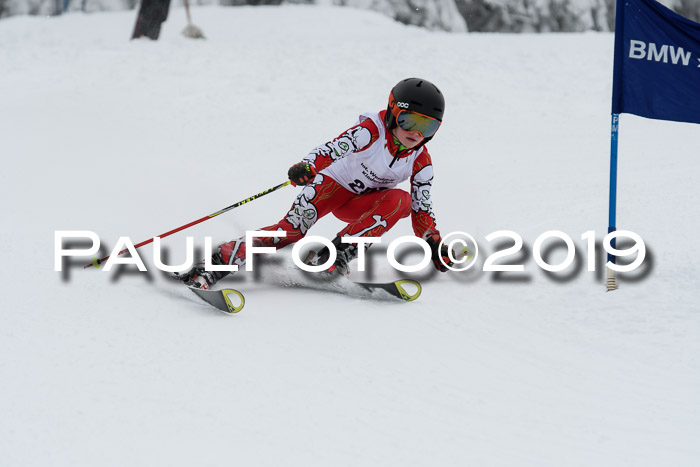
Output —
(134, 138)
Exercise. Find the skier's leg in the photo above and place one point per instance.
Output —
(321, 197)
(371, 215)
(368, 215)
(316, 200)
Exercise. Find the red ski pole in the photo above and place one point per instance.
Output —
(97, 262)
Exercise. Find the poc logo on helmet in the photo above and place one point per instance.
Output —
(403, 105)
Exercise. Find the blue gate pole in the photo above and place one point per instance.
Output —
(612, 212)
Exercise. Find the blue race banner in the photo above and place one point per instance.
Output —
(657, 62)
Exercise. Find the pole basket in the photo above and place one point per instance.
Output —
(193, 32)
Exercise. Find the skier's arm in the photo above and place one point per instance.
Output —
(424, 224)
(355, 139)
(422, 215)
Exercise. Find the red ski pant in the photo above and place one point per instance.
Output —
(367, 215)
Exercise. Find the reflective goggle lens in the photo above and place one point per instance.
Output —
(410, 121)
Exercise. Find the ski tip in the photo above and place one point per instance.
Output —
(229, 301)
(405, 294)
(238, 302)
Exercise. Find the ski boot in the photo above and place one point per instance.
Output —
(345, 253)
(199, 278)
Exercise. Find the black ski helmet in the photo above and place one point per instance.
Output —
(415, 95)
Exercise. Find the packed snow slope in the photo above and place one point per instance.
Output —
(134, 138)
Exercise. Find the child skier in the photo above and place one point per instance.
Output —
(354, 177)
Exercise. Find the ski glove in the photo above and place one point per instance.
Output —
(433, 239)
(302, 173)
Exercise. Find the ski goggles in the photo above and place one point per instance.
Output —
(413, 121)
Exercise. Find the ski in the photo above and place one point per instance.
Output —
(406, 290)
(341, 283)
(232, 301)
(227, 300)
(395, 288)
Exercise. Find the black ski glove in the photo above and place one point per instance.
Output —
(433, 239)
(301, 173)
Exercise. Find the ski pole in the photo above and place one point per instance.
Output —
(97, 262)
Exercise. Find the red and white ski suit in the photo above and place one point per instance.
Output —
(357, 177)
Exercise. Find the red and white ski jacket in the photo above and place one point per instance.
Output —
(366, 158)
